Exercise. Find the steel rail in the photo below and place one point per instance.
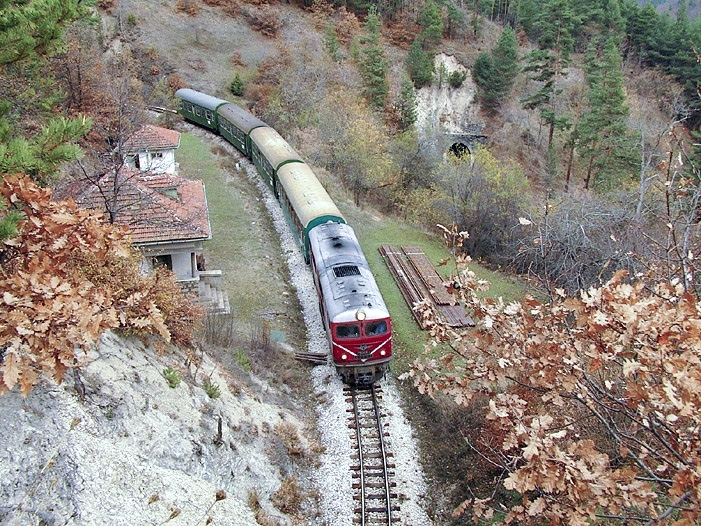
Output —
(384, 455)
(360, 457)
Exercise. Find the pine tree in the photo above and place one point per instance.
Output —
(373, 62)
(529, 11)
(236, 87)
(555, 27)
(420, 65)
(432, 25)
(406, 104)
(485, 74)
(541, 64)
(34, 28)
(602, 136)
(31, 30)
(456, 20)
(331, 42)
(641, 29)
(495, 72)
(550, 62)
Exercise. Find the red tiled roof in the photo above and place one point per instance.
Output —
(156, 207)
(150, 137)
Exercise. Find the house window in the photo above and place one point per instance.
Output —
(165, 260)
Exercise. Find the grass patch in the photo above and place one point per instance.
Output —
(244, 244)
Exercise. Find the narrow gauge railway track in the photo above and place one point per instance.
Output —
(373, 470)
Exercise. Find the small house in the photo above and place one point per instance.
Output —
(152, 149)
(167, 214)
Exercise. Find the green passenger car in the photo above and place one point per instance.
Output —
(269, 151)
(199, 107)
(236, 125)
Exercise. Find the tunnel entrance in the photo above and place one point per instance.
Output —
(459, 149)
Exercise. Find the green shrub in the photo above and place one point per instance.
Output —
(211, 389)
(172, 376)
(236, 86)
(242, 360)
(456, 78)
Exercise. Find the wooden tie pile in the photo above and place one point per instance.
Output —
(418, 280)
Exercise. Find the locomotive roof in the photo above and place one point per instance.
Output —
(239, 117)
(308, 198)
(344, 274)
(274, 147)
(199, 98)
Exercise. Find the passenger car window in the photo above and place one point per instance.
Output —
(376, 327)
(348, 331)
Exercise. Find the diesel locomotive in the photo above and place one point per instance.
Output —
(356, 319)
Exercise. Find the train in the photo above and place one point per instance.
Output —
(357, 323)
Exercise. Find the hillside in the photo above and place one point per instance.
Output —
(118, 442)
(672, 7)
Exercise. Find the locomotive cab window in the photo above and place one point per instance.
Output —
(348, 331)
(376, 328)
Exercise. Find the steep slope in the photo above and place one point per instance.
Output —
(125, 448)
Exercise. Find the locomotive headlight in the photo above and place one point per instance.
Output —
(382, 353)
(360, 315)
(344, 357)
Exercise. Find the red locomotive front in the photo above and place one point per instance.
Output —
(362, 346)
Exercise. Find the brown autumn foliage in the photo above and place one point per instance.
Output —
(266, 19)
(65, 279)
(189, 7)
(347, 27)
(596, 399)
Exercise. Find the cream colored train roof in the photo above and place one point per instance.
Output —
(308, 197)
(273, 146)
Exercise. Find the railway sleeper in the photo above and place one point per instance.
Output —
(369, 509)
(381, 521)
(375, 485)
(372, 471)
(377, 454)
(368, 425)
(395, 507)
(377, 472)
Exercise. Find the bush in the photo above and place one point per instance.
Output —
(265, 19)
(456, 78)
(60, 295)
(236, 86)
(288, 497)
(172, 376)
(211, 389)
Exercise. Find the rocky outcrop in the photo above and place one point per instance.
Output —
(122, 447)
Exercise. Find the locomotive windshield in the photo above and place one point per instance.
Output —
(352, 330)
(348, 331)
(375, 328)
